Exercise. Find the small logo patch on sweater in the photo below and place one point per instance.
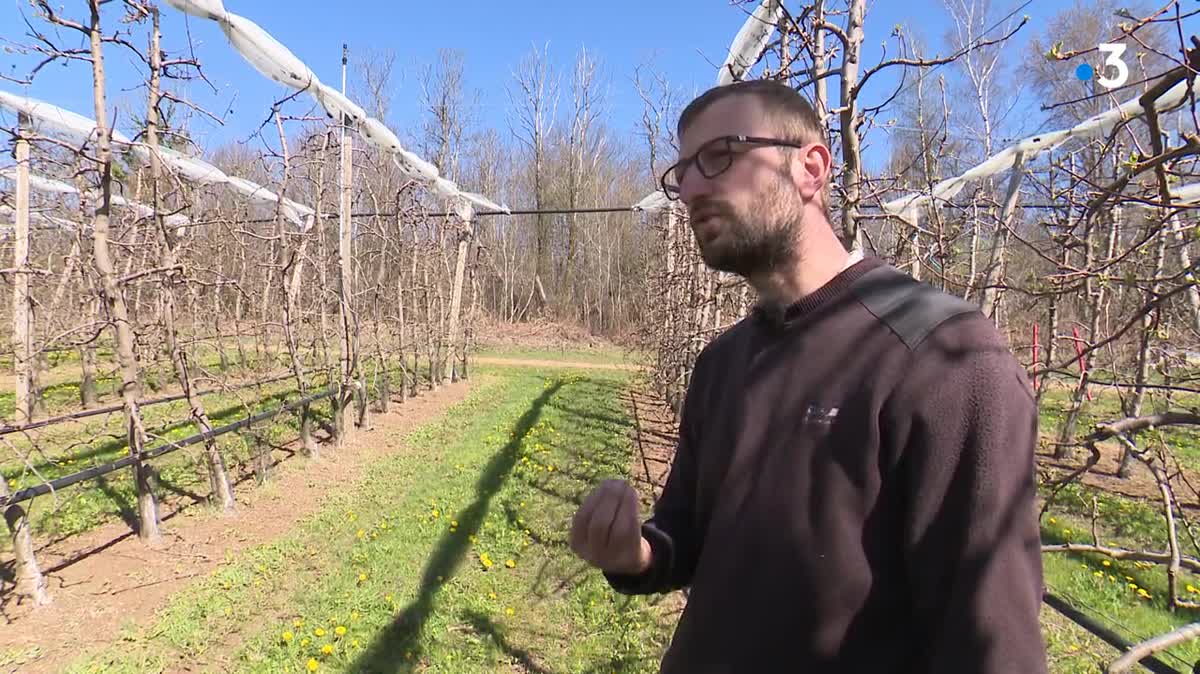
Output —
(815, 414)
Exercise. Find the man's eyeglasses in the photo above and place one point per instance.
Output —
(714, 158)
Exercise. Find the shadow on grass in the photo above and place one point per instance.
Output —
(387, 653)
(484, 626)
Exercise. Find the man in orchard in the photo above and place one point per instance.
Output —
(853, 488)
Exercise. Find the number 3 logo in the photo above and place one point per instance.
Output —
(1114, 51)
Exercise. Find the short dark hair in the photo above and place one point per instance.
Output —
(792, 115)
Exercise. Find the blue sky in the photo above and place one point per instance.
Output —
(681, 38)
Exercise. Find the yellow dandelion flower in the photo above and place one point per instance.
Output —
(305, 642)
(1074, 648)
(1112, 577)
(362, 577)
(1052, 521)
(360, 533)
(491, 595)
(340, 630)
(1098, 574)
(287, 636)
(319, 632)
(1106, 563)
(387, 598)
(435, 513)
(508, 611)
(354, 644)
(1133, 586)
(327, 649)
(1191, 589)
(297, 623)
(374, 535)
(313, 664)
(1066, 532)
(1144, 594)
(453, 523)
(510, 564)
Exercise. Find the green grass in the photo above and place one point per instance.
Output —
(1128, 597)
(448, 556)
(596, 356)
(63, 449)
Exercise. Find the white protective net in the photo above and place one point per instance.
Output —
(1095, 127)
(750, 42)
(53, 121)
(274, 60)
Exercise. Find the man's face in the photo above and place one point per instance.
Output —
(747, 219)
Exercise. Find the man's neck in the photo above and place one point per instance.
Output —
(809, 271)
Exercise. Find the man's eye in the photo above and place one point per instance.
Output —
(713, 156)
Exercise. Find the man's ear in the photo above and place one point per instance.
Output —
(810, 169)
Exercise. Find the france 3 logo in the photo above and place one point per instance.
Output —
(1112, 52)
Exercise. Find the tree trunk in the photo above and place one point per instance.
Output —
(994, 275)
(851, 150)
(22, 301)
(1148, 328)
(29, 579)
(218, 476)
(460, 267)
(430, 342)
(1097, 292)
(346, 394)
(402, 344)
(148, 523)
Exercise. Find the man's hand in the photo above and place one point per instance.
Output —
(607, 531)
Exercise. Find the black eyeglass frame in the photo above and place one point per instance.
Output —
(672, 193)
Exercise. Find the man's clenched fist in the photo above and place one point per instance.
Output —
(607, 532)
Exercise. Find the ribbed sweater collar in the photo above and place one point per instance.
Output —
(834, 289)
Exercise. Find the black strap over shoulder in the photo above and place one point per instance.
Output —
(912, 309)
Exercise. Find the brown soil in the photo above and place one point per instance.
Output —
(538, 333)
(653, 450)
(654, 440)
(106, 578)
(1139, 485)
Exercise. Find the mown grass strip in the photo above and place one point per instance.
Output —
(449, 556)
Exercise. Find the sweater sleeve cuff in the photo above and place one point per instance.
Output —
(654, 578)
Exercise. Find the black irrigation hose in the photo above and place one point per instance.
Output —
(104, 469)
(5, 430)
(1112, 638)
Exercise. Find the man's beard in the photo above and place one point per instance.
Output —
(752, 243)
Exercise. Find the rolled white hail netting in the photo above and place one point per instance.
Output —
(745, 50)
(43, 184)
(54, 122)
(1097, 126)
(271, 58)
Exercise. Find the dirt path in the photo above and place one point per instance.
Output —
(522, 362)
(106, 578)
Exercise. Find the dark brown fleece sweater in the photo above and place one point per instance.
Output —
(852, 493)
